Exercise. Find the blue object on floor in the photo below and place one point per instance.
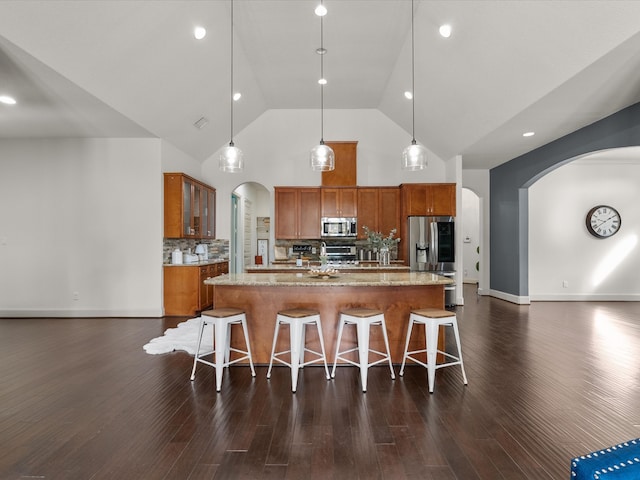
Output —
(619, 462)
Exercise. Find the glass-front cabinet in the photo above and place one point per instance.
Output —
(196, 193)
(189, 207)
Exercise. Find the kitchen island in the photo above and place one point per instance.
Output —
(262, 295)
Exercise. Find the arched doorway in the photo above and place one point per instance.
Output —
(250, 220)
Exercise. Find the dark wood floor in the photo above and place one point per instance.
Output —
(80, 399)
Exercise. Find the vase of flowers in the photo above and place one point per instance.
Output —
(383, 245)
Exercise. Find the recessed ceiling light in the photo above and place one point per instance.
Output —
(321, 10)
(321, 50)
(6, 99)
(445, 30)
(408, 95)
(528, 134)
(236, 96)
(322, 81)
(199, 33)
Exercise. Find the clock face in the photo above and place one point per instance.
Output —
(603, 221)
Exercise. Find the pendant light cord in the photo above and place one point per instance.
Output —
(413, 83)
(231, 69)
(322, 84)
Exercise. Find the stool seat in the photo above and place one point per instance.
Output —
(363, 318)
(298, 312)
(297, 319)
(222, 319)
(222, 312)
(433, 319)
(434, 313)
(362, 312)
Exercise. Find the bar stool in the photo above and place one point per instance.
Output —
(432, 319)
(363, 319)
(222, 319)
(297, 319)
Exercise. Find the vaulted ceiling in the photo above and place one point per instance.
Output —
(116, 68)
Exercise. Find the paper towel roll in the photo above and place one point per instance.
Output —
(176, 257)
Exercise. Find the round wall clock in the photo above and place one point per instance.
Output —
(603, 221)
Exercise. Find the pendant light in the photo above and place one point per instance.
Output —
(231, 156)
(322, 158)
(414, 157)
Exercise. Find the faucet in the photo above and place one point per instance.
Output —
(323, 249)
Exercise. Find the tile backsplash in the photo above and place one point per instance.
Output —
(218, 249)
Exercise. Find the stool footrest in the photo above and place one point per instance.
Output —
(276, 357)
(357, 364)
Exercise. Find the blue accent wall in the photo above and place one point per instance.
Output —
(509, 183)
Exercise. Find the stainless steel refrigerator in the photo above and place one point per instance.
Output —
(432, 249)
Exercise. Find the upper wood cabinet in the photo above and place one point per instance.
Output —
(378, 209)
(339, 202)
(297, 212)
(345, 173)
(428, 199)
(189, 207)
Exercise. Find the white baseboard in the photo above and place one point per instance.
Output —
(69, 313)
(520, 300)
(586, 297)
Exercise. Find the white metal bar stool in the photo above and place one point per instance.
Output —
(221, 319)
(297, 319)
(432, 319)
(363, 319)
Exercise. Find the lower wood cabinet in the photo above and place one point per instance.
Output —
(184, 290)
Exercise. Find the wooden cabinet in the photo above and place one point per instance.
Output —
(297, 212)
(378, 209)
(345, 173)
(428, 199)
(208, 196)
(388, 209)
(184, 290)
(339, 202)
(189, 207)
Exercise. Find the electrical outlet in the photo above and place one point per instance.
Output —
(565, 284)
(75, 296)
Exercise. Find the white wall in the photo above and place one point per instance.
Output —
(85, 216)
(174, 160)
(561, 249)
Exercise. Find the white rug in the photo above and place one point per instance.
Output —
(183, 337)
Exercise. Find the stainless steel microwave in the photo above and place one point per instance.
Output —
(339, 227)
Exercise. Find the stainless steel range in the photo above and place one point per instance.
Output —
(341, 253)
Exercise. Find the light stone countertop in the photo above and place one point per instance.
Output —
(211, 261)
(291, 267)
(353, 279)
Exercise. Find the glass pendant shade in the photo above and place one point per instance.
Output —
(231, 159)
(414, 157)
(322, 158)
